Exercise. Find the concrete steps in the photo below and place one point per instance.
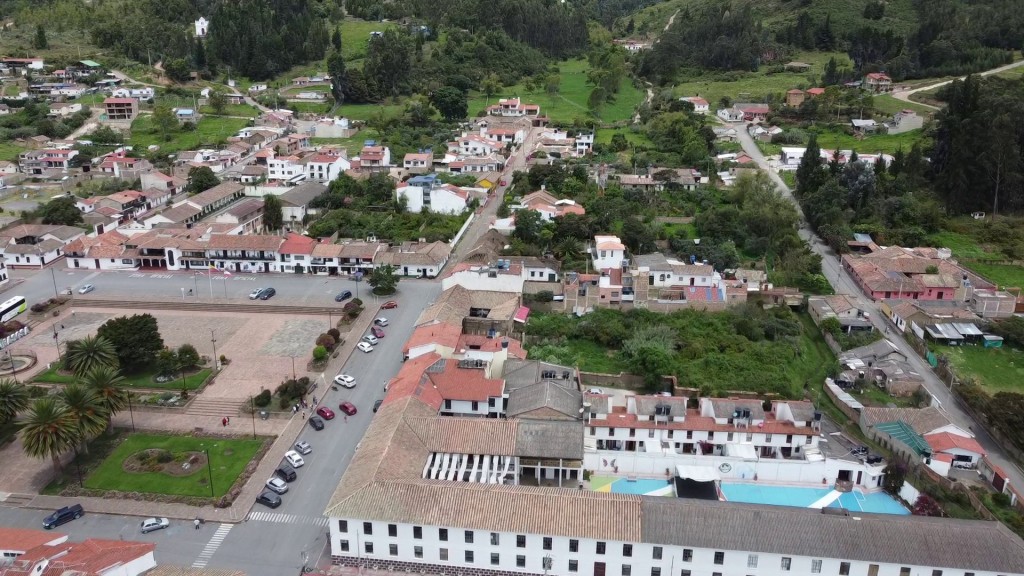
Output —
(221, 407)
(15, 500)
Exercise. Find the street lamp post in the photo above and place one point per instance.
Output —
(130, 413)
(216, 360)
(56, 343)
(53, 277)
(293, 367)
(14, 373)
(195, 280)
(209, 470)
(252, 408)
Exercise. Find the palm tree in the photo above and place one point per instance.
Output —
(88, 411)
(90, 353)
(13, 399)
(106, 382)
(47, 430)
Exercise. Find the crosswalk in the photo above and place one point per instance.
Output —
(281, 518)
(212, 545)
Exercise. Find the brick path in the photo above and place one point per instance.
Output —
(23, 475)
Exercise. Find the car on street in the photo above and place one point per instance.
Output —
(255, 293)
(267, 294)
(371, 339)
(377, 332)
(343, 295)
(86, 289)
(63, 516)
(345, 380)
(325, 413)
(277, 485)
(303, 447)
(376, 405)
(269, 499)
(380, 321)
(294, 459)
(348, 408)
(595, 391)
(154, 524)
(286, 472)
(365, 347)
(316, 423)
(389, 305)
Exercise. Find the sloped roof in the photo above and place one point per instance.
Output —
(922, 420)
(902, 431)
(944, 441)
(302, 194)
(545, 394)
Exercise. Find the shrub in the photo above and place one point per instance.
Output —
(1001, 500)
(335, 333)
(357, 302)
(326, 340)
(284, 402)
(544, 296)
(319, 353)
(163, 457)
(262, 399)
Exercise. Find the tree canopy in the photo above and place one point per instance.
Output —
(136, 339)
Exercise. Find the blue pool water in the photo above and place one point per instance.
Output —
(800, 496)
(639, 486)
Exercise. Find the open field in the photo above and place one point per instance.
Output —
(210, 131)
(1003, 275)
(996, 369)
(887, 143)
(368, 111)
(355, 36)
(604, 136)
(228, 458)
(10, 151)
(570, 102)
(755, 86)
(353, 144)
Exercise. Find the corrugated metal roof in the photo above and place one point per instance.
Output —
(902, 431)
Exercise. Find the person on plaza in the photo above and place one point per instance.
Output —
(196, 523)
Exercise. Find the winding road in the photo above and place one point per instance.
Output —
(906, 94)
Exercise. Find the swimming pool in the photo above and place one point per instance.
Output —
(640, 486)
(805, 496)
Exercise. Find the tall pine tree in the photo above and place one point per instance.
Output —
(809, 175)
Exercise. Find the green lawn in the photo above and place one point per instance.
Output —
(353, 144)
(211, 131)
(1004, 275)
(886, 104)
(228, 458)
(570, 102)
(368, 111)
(963, 246)
(754, 86)
(355, 36)
(10, 151)
(243, 110)
(887, 143)
(604, 136)
(996, 369)
(310, 107)
(144, 380)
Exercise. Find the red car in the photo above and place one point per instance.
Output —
(389, 305)
(377, 332)
(348, 408)
(325, 412)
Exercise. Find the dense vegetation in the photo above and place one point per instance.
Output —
(741, 349)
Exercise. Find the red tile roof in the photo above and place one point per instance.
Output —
(469, 384)
(87, 558)
(440, 333)
(944, 441)
(22, 540)
(297, 244)
(412, 382)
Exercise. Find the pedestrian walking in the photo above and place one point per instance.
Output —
(228, 418)
(223, 421)
(303, 414)
(196, 523)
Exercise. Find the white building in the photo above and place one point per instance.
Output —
(325, 167)
(475, 145)
(202, 27)
(608, 252)
(584, 143)
(427, 192)
(142, 93)
(700, 105)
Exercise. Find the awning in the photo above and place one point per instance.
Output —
(697, 473)
(522, 314)
(745, 451)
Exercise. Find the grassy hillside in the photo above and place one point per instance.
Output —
(899, 14)
(754, 86)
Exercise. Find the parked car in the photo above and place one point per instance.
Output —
(595, 391)
(86, 289)
(325, 413)
(277, 485)
(389, 305)
(154, 524)
(303, 447)
(380, 321)
(377, 332)
(963, 465)
(286, 473)
(365, 347)
(376, 405)
(316, 423)
(255, 293)
(267, 294)
(63, 516)
(371, 339)
(348, 408)
(294, 459)
(269, 499)
(343, 295)
(345, 380)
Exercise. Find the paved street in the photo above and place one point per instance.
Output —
(841, 282)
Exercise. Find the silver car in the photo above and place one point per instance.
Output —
(277, 485)
(153, 524)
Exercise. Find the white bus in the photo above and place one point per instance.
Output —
(12, 307)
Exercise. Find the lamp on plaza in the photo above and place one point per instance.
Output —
(216, 360)
(252, 408)
(53, 276)
(209, 469)
(130, 413)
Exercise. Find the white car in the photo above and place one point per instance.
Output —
(277, 485)
(371, 339)
(382, 321)
(153, 524)
(294, 459)
(345, 380)
(86, 289)
(303, 447)
(255, 293)
(365, 347)
(595, 391)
